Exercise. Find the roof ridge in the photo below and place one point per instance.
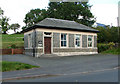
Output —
(60, 19)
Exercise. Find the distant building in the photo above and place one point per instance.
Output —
(100, 25)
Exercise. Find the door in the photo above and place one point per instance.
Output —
(47, 45)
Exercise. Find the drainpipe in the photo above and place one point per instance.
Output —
(34, 50)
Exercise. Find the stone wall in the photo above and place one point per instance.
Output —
(71, 40)
(74, 50)
(95, 41)
(39, 38)
(84, 40)
(56, 39)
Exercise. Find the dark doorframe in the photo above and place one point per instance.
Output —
(47, 45)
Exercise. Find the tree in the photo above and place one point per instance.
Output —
(108, 35)
(4, 24)
(72, 11)
(1, 11)
(14, 27)
(34, 16)
(62, 10)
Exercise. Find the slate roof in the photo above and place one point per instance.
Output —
(63, 24)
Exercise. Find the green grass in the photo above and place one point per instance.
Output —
(11, 66)
(8, 40)
(112, 51)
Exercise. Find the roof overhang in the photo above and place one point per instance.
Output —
(58, 28)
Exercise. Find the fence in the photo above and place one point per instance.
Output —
(12, 51)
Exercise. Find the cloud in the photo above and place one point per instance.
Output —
(105, 13)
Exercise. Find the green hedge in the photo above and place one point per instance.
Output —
(105, 46)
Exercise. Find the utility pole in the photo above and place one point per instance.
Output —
(118, 20)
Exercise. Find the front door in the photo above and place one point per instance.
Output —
(47, 45)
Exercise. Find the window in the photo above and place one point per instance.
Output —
(77, 40)
(29, 40)
(63, 40)
(89, 41)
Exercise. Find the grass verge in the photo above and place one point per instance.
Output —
(13, 39)
(115, 51)
(11, 66)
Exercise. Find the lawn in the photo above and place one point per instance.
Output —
(112, 51)
(14, 39)
(11, 66)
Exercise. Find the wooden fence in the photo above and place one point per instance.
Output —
(12, 51)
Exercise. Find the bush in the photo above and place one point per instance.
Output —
(111, 45)
(102, 47)
(13, 46)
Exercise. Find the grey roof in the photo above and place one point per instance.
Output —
(66, 24)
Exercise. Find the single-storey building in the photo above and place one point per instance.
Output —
(60, 37)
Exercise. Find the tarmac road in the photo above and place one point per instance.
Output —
(65, 65)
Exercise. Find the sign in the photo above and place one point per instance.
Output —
(40, 43)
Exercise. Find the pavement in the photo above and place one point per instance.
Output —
(55, 66)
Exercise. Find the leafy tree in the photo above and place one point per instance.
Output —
(1, 11)
(108, 35)
(34, 16)
(71, 11)
(14, 27)
(62, 10)
(4, 24)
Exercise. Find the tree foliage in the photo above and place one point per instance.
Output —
(62, 10)
(108, 35)
(4, 24)
(14, 27)
(34, 16)
(72, 11)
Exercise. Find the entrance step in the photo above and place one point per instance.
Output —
(49, 55)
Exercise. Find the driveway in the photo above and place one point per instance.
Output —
(61, 65)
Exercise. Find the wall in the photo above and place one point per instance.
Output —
(55, 42)
(12, 51)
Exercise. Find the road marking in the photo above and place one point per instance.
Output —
(86, 72)
(47, 75)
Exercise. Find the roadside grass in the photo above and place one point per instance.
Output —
(13, 39)
(115, 51)
(12, 66)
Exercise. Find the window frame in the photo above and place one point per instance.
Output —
(77, 40)
(89, 41)
(29, 40)
(64, 40)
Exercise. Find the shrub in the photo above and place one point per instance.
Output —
(103, 47)
(111, 45)
(12, 46)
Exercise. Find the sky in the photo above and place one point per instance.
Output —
(105, 11)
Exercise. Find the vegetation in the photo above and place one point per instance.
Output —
(105, 46)
(14, 27)
(62, 10)
(11, 66)
(112, 51)
(12, 41)
(108, 34)
(4, 23)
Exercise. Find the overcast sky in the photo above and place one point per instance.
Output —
(105, 11)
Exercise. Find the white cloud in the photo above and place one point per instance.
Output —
(16, 9)
(105, 13)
